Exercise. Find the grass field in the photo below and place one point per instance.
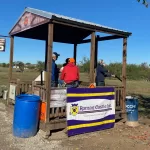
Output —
(134, 87)
(139, 88)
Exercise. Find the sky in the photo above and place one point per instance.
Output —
(128, 15)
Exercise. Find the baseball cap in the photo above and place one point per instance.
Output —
(71, 60)
(56, 54)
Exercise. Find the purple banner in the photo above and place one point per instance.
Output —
(89, 129)
(90, 109)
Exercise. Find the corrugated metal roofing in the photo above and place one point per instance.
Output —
(50, 15)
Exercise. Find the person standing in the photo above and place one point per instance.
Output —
(61, 83)
(101, 73)
(55, 72)
(67, 60)
(70, 74)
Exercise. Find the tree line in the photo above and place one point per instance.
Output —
(134, 71)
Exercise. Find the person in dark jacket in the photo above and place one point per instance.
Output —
(55, 72)
(101, 73)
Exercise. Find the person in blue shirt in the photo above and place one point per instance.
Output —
(55, 70)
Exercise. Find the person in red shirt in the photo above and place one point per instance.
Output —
(70, 74)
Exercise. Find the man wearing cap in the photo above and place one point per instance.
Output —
(101, 73)
(55, 72)
(70, 74)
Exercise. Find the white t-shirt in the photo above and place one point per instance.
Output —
(61, 69)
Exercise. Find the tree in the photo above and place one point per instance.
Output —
(4, 64)
(40, 66)
(28, 63)
(144, 65)
(85, 65)
(21, 66)
(134, 71)
(144, 2)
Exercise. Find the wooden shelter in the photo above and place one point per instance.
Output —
(50, 27)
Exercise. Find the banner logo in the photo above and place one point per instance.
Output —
(74, 109)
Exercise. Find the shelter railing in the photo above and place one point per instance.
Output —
(36, 88)
(61, 112)
(22, 86)
(58, 114)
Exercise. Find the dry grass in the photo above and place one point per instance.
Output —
(134, 87)
(27, 75)
(139, 88)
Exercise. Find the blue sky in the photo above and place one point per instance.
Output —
(128, 15)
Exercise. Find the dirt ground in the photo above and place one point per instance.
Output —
(119, 138)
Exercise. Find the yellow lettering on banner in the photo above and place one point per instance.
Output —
(91, 94)
(90, 124)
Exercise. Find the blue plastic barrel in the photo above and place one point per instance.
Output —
(26, 115)
(132, 109)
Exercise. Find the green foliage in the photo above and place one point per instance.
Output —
(40, 66)
(134, 72)
(59, 66)
(32, 67)
(4, 65)
(144, 2)
(21, 66)
(85, 65)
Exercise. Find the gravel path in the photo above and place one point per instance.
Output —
(9, 142)
(119, 138)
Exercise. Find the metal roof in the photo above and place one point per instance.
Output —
(54, 16)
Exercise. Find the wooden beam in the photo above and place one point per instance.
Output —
(112, 37)
(75, 52)
(11, 57)
(92, 58)
(49, 69)
(89, 27)
(124, 71)
(72, 25)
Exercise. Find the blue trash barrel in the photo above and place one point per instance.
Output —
(26, 115)
(132, 109)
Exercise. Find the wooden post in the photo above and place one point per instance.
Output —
(75, 52)
(11, 57)
(96, 51)
(96, 55)
(18, 87)
(49, 69)
(46, 50)
(124, 71)
(45, 68)
(92, 58)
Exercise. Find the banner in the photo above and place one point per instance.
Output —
(2, 45)
(58, 98)
(90, 109)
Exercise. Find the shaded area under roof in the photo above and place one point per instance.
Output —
(66, 29)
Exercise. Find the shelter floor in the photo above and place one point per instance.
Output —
(119, 138)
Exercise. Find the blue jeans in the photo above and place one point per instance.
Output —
(53, 84)
(61, 82)
(73, 85)
(101, 83)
